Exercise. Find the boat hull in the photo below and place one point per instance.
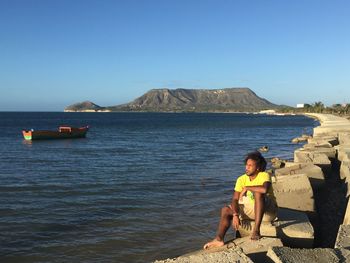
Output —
(62, 133)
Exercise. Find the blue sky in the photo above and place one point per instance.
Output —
(54, 53)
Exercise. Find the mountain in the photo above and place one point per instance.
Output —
(191, 100)
(232, 99)
(83, 106)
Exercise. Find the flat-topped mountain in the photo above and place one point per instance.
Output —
(195, 100)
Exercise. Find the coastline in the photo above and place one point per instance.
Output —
(312, 196)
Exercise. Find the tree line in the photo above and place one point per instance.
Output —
(319, 107)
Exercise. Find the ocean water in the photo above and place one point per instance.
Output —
(140, 187)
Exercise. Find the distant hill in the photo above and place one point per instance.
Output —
(188, 100)
(84, 106)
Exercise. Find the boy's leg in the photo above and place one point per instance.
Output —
(224, 224)
(259, 208)
(269, 211)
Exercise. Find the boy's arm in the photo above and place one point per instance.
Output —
(258, 188)
(235, 209)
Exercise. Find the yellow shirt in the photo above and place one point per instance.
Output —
(259, 180)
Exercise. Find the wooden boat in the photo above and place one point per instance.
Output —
(63, 132)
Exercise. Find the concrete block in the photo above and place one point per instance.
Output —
(308, 156)
(323, 141)
(267, 229)
(344, 170)
(343, 237)
(230, 255)
(344, 138)
(344, 254)
(294, 228)
(256, 250)
(329, 151)
(313, 172)
(343, 152)
(344, 173)
(294, 192)
(347, 215)
(289, 164)
(317, 158)
(322, 144)
(331, 129)
(297, 168)
(320, 255)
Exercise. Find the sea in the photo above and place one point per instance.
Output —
(140, 187)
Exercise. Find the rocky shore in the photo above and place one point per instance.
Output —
(313, 223)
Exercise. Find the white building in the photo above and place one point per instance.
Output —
(300, 105)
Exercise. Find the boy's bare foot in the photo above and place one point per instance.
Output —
(255, 236)
(214, 243)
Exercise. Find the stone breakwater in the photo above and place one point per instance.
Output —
(313, 223)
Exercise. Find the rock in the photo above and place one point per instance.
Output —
(303, 138)
(277, 163)
(264, 149)
(295, 140)
(306, 136)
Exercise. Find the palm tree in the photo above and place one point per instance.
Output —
(347, 108)
(318, 107)
(308, 107)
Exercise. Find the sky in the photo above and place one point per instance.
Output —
(54, 53)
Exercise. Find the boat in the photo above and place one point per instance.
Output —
(63, 132)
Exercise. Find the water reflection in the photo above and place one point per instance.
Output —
(28, 143)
